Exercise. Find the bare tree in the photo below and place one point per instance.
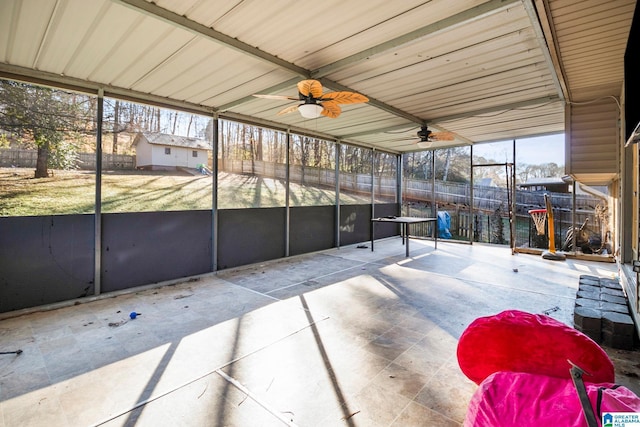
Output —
(175, 122)
(116, 126)
(191, 117)
(45, 117)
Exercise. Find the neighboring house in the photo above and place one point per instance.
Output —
(485, 182)
(160, 151)
(553, 185)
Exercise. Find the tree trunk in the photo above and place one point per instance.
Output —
(132, 116)
(42, 160)
(275, 149)
(116, 127)
(243, 138)
(189, 126)
(259, 153)
(317, 153)
(447, 164)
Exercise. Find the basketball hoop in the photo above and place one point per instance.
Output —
(539, 219)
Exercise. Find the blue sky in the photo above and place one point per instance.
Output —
(544, 149)
(532, 151)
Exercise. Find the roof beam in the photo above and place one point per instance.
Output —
(497, 108)
(434, 121)
(396, 128)
(268, 91)
(202, 30)
(453, 21)
(542, 24)
(374, 102)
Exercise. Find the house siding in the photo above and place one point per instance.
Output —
(153, 155)
(593, 146)
(143, 154)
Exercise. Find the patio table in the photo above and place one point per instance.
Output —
(405, 222)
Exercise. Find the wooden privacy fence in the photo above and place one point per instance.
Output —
(109, 161)
(308, 175)
(489, 198)
(490, 204)
(493, 227)
(85, 161)
(486, 198)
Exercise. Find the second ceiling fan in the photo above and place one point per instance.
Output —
(314, 102)
(426, 135)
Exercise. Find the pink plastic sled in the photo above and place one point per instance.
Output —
(523, 365)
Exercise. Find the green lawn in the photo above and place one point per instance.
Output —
(73, 192)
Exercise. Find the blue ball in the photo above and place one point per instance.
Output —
(133, 315)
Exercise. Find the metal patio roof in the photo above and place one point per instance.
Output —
(484, 70)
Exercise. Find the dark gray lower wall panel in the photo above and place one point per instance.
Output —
(311, 229)
(355, 224)
(247, 236)
(148, 247)
(386, 230)
(49, 259)
(45, 259)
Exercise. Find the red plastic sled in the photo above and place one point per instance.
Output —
(516, 341)
(522, 363)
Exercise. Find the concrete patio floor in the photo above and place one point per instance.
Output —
(343, 337)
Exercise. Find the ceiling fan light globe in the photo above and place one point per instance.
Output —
(310, 111)
(425, 144)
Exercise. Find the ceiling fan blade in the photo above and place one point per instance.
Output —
(331, 109)
(279, 97)
(289, 109)
(310, 91)
(442, 136)
(345, 97)
(312, 88)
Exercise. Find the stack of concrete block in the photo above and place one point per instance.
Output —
(602, 313)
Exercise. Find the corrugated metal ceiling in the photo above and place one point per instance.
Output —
(480, 69)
